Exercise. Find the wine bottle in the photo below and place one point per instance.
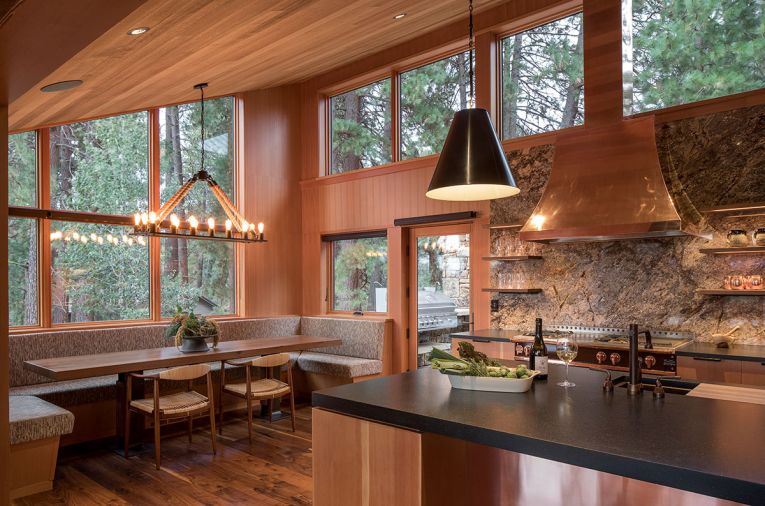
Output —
(538, 356)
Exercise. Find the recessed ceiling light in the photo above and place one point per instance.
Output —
(61, 86)
(138, 31)
(399, 16)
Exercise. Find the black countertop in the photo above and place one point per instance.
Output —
(748, 352)
(710, 447)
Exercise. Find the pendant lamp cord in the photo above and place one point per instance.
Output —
(202, 121)
(471, 47)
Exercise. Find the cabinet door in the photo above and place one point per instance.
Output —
(709, 369)
(753, 373)
(358, 462)
(493, 349)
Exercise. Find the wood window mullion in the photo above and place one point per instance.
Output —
(45, 281)
(395, 120)
(155, 309)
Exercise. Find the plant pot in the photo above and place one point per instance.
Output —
(193, 344)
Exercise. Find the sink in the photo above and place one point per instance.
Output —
(671, 386)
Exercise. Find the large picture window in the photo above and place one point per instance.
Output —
(101, 166)
(543, 78)
(22, 169)
(360, 128)
(99, 176)
(23, 278)
(692, 50)
(98, 273)
(430, 95)
(360, 273)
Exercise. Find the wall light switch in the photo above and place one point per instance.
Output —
(494, 305)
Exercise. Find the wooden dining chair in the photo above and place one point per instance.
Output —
(264, 389)
(171, 407)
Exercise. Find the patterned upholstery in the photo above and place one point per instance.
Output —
(338, 365)
(32, 419)
(235, 330)
(74, 392)
(361, 338)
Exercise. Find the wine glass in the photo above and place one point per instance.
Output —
(566, 350)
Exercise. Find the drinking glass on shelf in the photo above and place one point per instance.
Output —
(566, 349)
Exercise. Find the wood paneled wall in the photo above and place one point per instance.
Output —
(270, 175)
(371, 199)
(4, 365)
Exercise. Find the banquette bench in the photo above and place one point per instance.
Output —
(36, 427)
(92, 400)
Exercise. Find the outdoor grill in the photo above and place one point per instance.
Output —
(435, 311)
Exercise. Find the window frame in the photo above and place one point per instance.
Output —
(43, 215)
(328, 241)
(521, 28)
(393, 73)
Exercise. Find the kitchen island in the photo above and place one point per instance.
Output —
(436, 445)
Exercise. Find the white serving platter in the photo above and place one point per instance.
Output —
(489, 384)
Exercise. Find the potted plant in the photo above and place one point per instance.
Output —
(190, 331)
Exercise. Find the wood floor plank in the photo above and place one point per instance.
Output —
(275, 469)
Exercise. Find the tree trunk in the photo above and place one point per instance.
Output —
(510, 112)
(173, 146)
(573, 92)
(463, 80)
(30, 291)
(353, 106)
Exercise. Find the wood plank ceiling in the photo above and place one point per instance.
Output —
(235, 45)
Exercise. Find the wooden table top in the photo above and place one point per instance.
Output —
(102, 364)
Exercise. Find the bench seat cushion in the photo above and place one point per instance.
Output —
(338, 365)
(32, 419)
(72, 392)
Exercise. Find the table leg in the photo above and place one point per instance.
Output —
(276, 404)
(137, 422)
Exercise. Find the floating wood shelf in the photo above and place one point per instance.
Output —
(514, 258)
(731, 292)
(500, 226)
(748, 250)
(513, 290)
(739, 209)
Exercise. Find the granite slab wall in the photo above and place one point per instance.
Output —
(708, 161)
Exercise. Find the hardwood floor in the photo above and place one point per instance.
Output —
(275, 469)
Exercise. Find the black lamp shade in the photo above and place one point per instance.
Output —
(472, 165)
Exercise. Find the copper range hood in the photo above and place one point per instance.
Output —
(606, 182)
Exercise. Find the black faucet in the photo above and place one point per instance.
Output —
(648, 340)
(634, 386)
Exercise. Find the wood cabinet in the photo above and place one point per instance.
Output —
(753, 373)
(709, 369)
(493, 349)
(358, 462)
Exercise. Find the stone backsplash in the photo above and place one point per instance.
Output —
(718, 159)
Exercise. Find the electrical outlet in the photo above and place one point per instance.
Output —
(494, 305)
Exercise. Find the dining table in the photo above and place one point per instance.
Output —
(122, 363)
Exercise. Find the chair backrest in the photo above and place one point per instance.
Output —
(184, 372)
(275, 360)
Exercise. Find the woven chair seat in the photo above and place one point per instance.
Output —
(262, 388)
(182, 402)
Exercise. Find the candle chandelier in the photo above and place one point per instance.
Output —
(165, 223)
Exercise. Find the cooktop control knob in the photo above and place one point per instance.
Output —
(600, 357)
(615, 358)
(519, 350)
(527, 350)
(650, 361)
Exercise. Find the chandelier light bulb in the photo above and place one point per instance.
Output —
(76, 236)
(211, 227)
(193, 223)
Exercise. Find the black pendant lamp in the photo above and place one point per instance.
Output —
(472, 164)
